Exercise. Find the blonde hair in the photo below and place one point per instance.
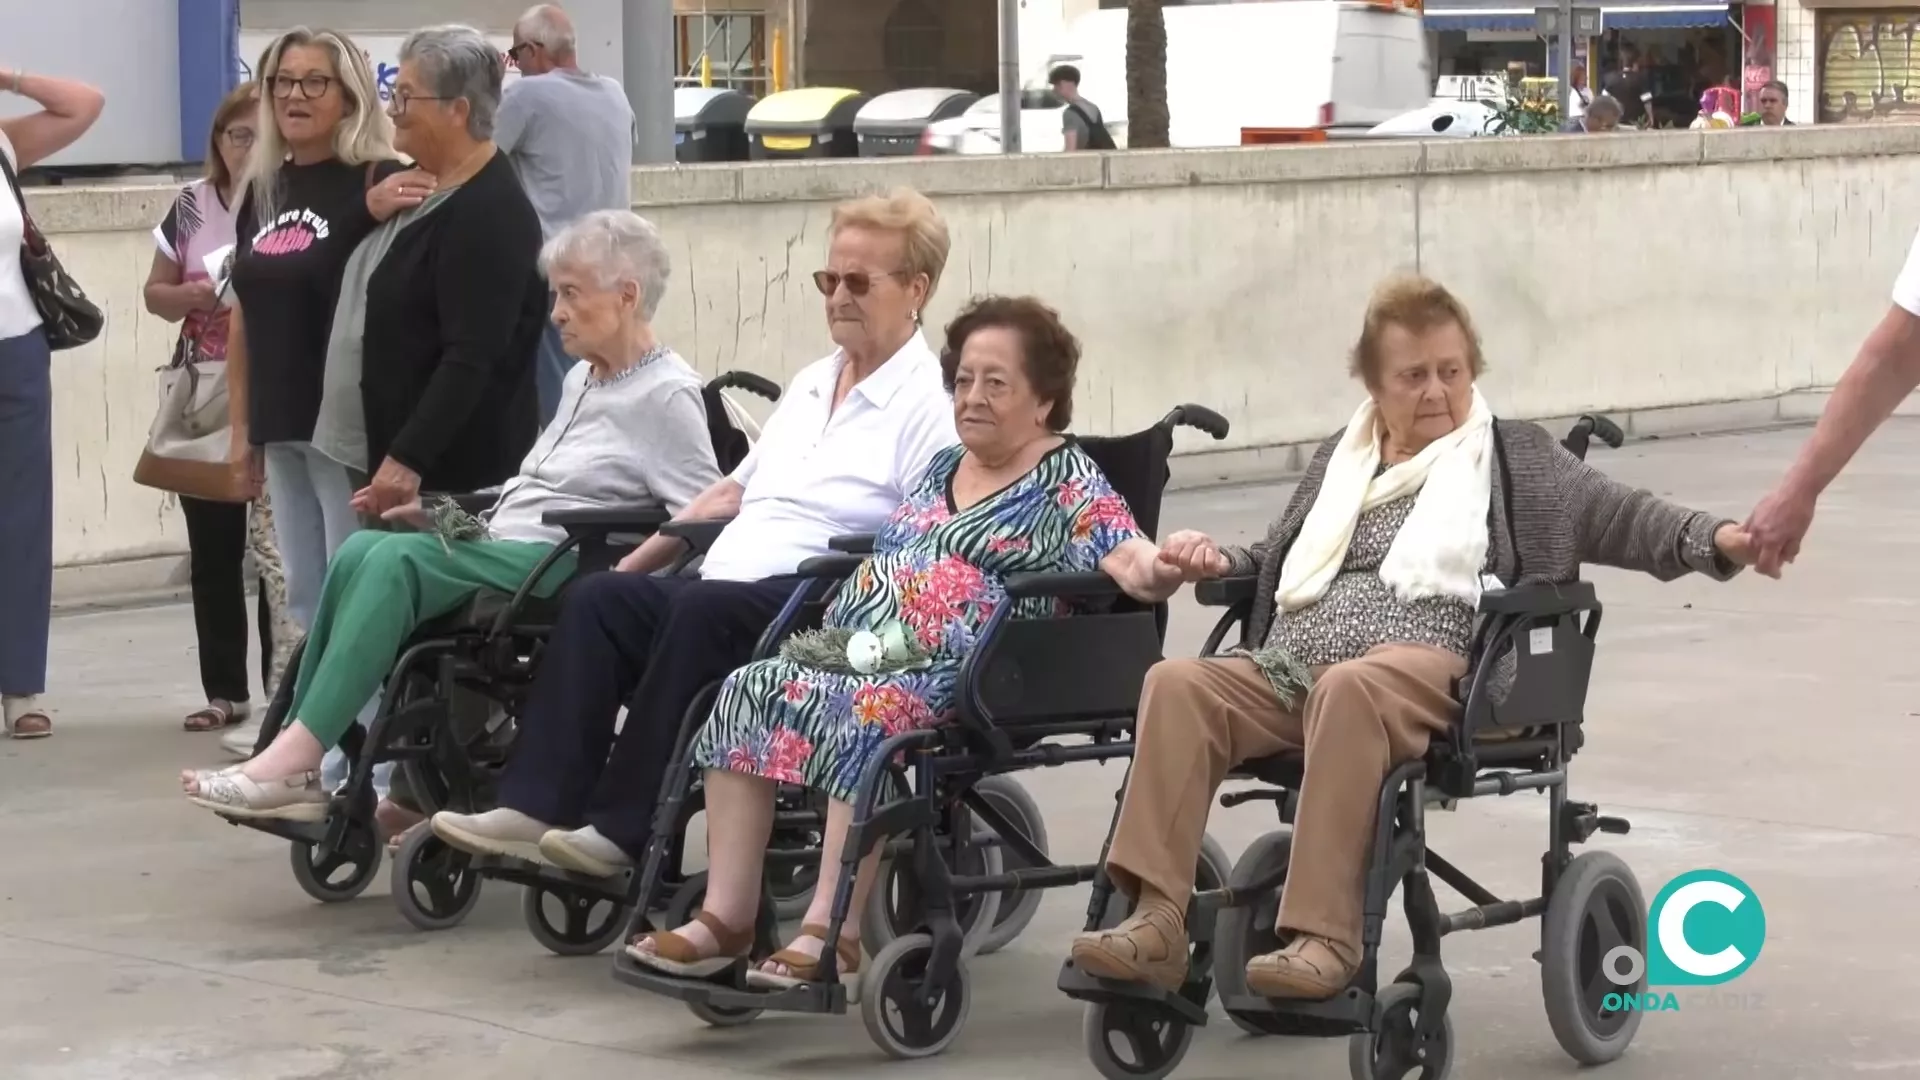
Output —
(1416, 304)
(364, 134)
(909, 213)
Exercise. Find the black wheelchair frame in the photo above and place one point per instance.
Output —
(487, 651)
(1541, 636)
(921, 794)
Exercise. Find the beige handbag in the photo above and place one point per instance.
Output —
(191, 440)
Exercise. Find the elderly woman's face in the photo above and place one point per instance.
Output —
(421, 122)
(592, 319)
(871, 295)
(308, 102)
(1425, 384)
(994, 406)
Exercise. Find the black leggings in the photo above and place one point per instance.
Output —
(217, 551)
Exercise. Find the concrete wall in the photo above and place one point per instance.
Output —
(1628, 273)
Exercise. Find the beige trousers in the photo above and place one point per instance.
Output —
(1200, 718)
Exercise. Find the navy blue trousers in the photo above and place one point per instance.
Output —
(651, 644)
(26, 512)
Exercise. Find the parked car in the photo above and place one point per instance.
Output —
(1442, 120)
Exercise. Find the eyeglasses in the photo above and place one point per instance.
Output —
(404, 98)
(311, 86)
(240, 137)
(856, 281)
(513, 54)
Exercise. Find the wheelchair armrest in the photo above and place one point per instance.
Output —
(1091, 585)
(602, 521)
(853, 543)
(1225, 592)
(699, 535)
(1542, 600)
(833, 567)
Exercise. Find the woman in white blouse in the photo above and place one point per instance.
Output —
(67, 110)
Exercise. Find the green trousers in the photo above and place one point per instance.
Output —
(380, 587)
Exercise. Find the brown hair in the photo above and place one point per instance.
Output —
(241, 100)
(1416, 304)
(912, 215)
(1050, 352)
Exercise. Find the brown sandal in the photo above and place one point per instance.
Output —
(676, 955)
(804, 968)
(216, 716)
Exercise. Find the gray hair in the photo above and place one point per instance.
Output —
(614, 246)
(459, 62)
(547, 25)
(1605, 105)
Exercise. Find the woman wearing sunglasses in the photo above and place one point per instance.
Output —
(853, 436)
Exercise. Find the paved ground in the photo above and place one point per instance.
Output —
(1764, 728)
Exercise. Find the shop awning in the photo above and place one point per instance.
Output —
(1504, 15)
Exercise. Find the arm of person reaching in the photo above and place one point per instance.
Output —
(67, 109)
(246, 459)
(718, 502)
(1141, 572)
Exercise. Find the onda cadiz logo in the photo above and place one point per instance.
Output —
(1706, 927)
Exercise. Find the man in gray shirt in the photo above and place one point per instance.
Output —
(1081, 125)
(570, 137)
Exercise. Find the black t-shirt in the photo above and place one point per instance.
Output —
(286, 275)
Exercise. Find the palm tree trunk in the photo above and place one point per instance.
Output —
(1147, 118)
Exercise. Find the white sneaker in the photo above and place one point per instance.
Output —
(585, 851)
(240, 738)
(502, 831)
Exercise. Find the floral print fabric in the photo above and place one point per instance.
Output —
(940, 571)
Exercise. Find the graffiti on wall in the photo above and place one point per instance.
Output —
(1869, 65)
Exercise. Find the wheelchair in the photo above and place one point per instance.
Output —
(447, 716)
(1538, 640)
(965, 849)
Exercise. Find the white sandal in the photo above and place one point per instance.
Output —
(294, 798)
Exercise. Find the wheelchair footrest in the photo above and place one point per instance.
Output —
(296, 832)
(1081, 986)
(1349, 1013)
(729, 990)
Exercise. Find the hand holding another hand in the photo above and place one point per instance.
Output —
(1775, 529)
(1193, 556)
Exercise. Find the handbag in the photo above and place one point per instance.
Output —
(68, 317)
(190, 441)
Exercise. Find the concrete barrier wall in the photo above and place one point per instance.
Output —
(1636, 272)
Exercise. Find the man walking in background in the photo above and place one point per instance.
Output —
(1081, 125)
(570, 136)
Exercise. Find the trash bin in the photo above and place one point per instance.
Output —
(891, 125)
(709, 124)
(814, 122)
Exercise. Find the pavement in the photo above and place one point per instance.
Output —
(1763, 728)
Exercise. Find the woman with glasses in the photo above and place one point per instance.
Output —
(181, 288)
(854, 435)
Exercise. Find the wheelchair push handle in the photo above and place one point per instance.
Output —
(1199, 417)
(1589, 426)
(751, 383)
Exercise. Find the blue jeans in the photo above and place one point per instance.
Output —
(551, 365)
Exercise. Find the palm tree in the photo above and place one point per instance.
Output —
(1146, 74)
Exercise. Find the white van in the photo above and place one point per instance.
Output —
(1337, 66)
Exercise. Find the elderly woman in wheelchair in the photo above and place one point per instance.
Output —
(1017, 496)
(1364, 612)
(631, 430)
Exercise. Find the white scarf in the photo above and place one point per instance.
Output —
(1440, 549)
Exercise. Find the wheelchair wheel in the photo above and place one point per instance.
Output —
(338, 876)
(568, 922)
(898, 1018)
(894, 910)
(1392, 1051)
(1127, 1042)
(1016, 909)
(687, 900)
(434, 883)
(1596, 907)
(1244, 932)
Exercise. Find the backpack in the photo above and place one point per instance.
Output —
(1098, 137)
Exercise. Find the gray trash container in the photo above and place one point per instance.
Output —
(709, 124)
(891, 125)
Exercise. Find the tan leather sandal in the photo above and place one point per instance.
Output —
(1149, 947)
(676, 955)
(1309, 968)
(802, 968)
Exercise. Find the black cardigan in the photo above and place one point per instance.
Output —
(454, 316)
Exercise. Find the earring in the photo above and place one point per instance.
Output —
(915, 316)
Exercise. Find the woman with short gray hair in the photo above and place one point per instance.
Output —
(631, 431)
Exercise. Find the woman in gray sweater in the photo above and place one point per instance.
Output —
(1368, 587)
(631, 430)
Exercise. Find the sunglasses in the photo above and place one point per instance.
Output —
(858, 282)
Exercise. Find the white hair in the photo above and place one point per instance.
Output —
(547, 25)
(459, 62)
(614, 246)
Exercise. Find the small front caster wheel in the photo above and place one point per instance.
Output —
(568, 922)
(1126, 1041)
(334, 877)
(1394, 1050)
(905, 1016)
(434, 883)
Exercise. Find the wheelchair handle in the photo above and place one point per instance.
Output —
(1608, 431)
(1199, 417)
(748, 381)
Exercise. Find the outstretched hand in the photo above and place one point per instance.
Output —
(1776, 527)
(1193, 556)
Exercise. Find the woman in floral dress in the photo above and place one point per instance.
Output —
(1015, 497)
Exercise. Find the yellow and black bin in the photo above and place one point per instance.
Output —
(814, 122)
(709, 124)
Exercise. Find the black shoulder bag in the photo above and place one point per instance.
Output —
(69, 318)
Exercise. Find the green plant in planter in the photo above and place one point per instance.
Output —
(1525, 116)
